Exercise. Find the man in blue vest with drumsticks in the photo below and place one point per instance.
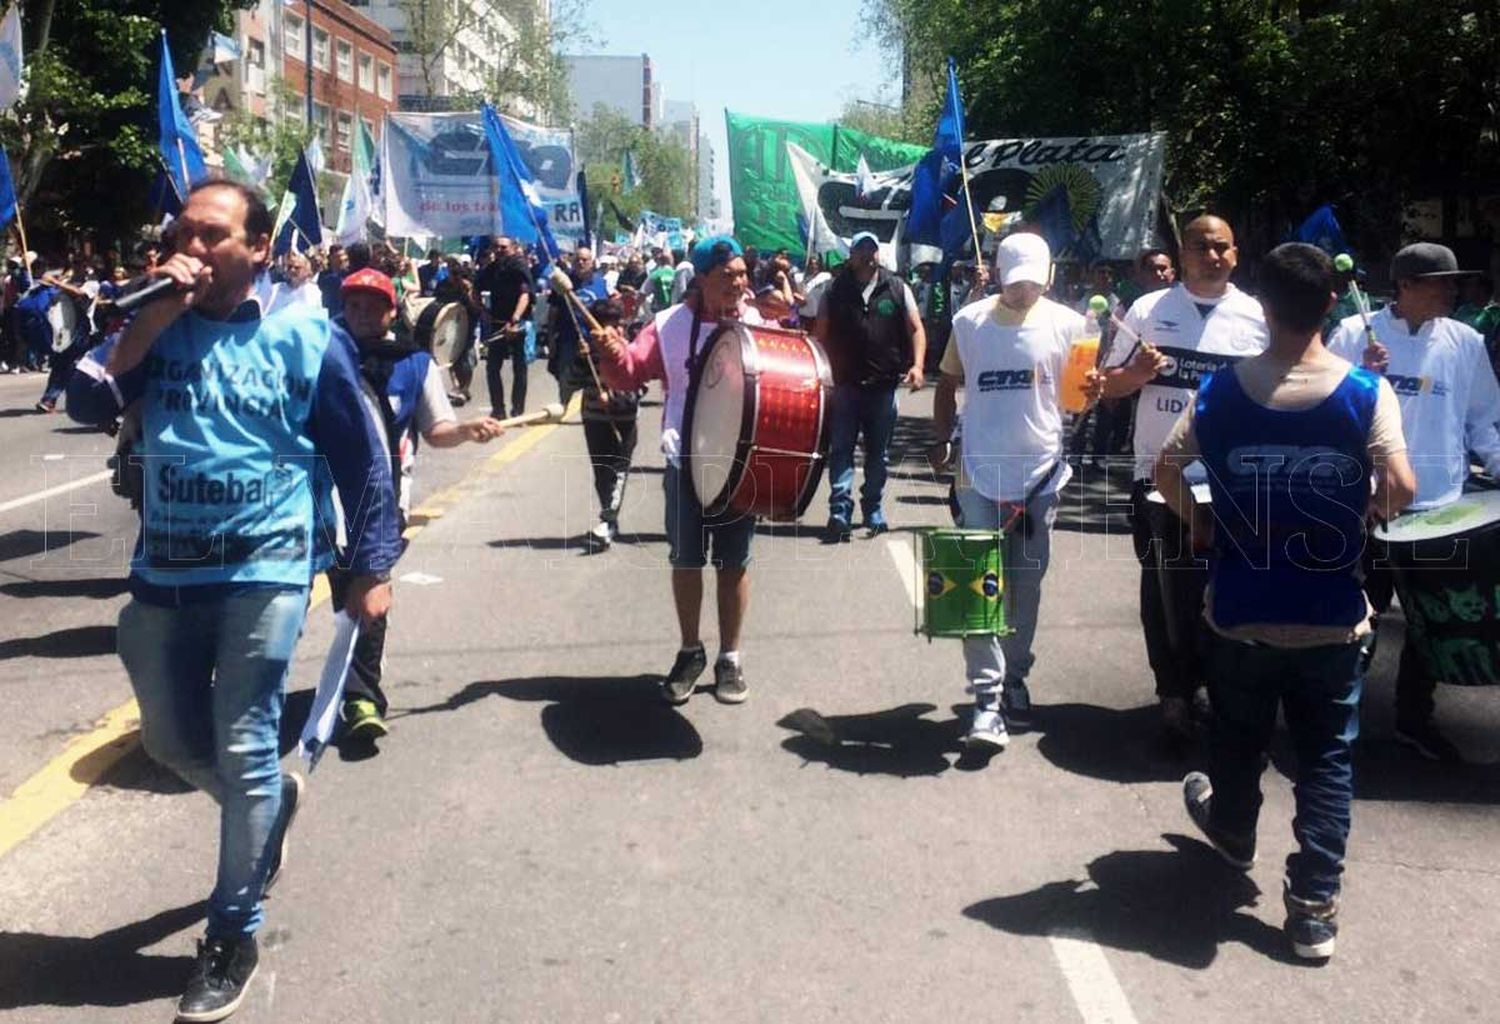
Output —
(1290, 440)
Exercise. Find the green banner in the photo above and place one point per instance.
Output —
(762, 192)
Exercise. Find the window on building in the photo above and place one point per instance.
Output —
(344, 132)
(320, 49)
(295, 42)
(322, 117)
(344, 60)
(255, 67)
(366, 72)
(383, 81)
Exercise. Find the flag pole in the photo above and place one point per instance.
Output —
(969, 202)
(25, 246)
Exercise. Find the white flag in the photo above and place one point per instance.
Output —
(10, 57)
(357, 204)
(315, 159)
(863, 178)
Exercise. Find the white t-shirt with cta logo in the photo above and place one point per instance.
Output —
(1012, 368)
(1449, 399)
(1198, 336)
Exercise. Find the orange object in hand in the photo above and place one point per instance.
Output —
(1081, 358)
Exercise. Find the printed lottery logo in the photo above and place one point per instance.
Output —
(1168, 366)
(1416, 385)
(1006, 380)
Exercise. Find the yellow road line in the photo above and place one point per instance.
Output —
(88, 757)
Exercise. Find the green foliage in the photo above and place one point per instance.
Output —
(280, 138)
(888, 122)
(1272, 106)
(89, 116)
(665, 166)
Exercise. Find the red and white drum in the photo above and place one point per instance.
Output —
(756, 423)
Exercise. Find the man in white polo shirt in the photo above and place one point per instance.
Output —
(1450, 403)
(1007, 352)
(1199, 325)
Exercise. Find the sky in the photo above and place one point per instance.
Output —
(801, 60)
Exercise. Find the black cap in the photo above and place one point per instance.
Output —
(1426, 259)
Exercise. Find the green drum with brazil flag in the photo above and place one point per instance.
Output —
(961, 584)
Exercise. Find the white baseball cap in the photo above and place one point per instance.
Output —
(1024, 256)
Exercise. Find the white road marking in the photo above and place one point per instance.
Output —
(1094, 987)
(52, 492)
(421, 579)
(53, 457)
(904, 555)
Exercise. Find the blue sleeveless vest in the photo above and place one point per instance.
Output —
(1290, 490)
(229, 467)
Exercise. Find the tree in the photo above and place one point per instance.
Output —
(1271, 107)
(888, 122)
(89, 115)
(665, 165)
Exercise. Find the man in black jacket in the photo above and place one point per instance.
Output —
(871, 327)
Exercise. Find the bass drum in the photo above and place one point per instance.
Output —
(62, 317)
(441, 328)
(1447, 566)
(756, 425)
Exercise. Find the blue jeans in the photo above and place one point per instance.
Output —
(208, 676)
(871, 411)
(1319, 688)
(992, 661)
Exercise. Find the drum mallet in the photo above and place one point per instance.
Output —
(546, 414)
(563, 283)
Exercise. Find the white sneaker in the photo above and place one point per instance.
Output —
(988, 730)
(602, 535)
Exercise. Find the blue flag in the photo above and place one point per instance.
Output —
(1322, 229)
(180, 152)
(583, 197)
(1053, 217)
(304, 228)
(938, 175)
(7, 191)
(164, 198)
(523, 216)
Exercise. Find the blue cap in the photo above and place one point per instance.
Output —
(861, 237)
(714, 251)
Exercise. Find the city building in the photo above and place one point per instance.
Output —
(449, 60)
(625, 84)
(353, 69)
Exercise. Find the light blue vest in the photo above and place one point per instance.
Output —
(1290, 490)
(229, 466)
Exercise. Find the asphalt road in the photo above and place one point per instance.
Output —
(540, 840)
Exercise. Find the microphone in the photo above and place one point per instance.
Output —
(150, 293)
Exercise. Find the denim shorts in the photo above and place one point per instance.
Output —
(690, 533)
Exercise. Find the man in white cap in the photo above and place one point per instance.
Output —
(1172, 339)
(1007, 352)
(1450, 403)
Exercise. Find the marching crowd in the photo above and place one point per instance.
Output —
(246, 372)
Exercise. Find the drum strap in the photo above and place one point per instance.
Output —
(1013, 513)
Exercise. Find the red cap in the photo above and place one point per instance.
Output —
(368, 280)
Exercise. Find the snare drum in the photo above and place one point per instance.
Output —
(441, 328)
(961, 584)
(755, 424)
(1447, 566)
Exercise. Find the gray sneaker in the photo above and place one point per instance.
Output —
(1198, 798)
(1312, 926)
(729, 683)
(678, 686)
(987, 730)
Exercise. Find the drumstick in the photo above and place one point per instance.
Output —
(563, 283)
(546, 414)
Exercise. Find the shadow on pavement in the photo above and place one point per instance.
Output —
(1177, 906)
(108, 969)
(1385, 770)
(899, 741)
(581, 542)
(1103, 743)
(591, 719)
(30, 543)
(134, 770)
(76, 642)
(73, 586)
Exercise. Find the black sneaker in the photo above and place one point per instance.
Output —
(1425, 739)
(291, 796)
(729, 682)
(677, 687)
(1312, 925)
(220, 978)
(1015, 704)
(1198, 797)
